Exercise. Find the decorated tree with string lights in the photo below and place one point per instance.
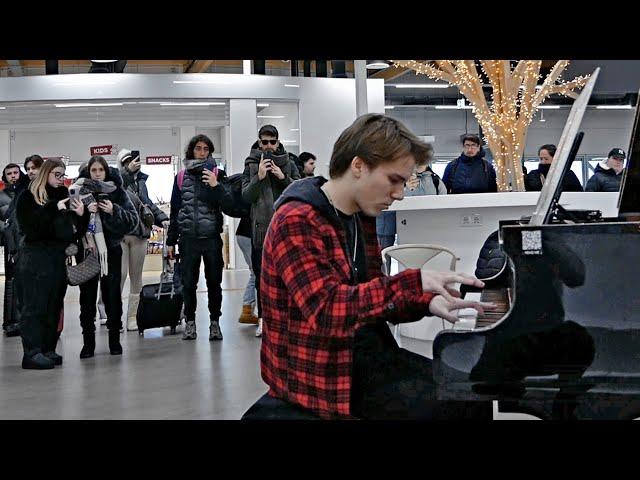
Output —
(515, 97)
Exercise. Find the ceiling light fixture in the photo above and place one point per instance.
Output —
(189, 104)
(74, 105)
(270, 116)
(377, 64)
(419, 85)
(614, 107)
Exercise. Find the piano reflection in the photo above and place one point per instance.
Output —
(564, 342)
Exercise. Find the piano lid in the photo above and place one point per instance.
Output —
(629, 200)
(554, 178)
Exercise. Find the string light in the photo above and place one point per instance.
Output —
(515, 98)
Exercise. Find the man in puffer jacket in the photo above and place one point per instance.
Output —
(15, 182)
(134, 245)
(269, 171)
(197, 202)
(608, 173)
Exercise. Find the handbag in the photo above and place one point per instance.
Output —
(85, 270)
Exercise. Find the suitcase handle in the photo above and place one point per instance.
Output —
(165, 265)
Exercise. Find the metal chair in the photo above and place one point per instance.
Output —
(415, 255)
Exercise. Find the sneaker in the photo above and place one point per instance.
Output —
(37, 362)
(259, 329)
(54, 357)
(214, 330)
(189, 331)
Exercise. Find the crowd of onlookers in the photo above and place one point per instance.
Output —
(105, 216)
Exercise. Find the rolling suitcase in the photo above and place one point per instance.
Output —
(161, 303)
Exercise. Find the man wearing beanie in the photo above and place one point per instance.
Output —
(134, 245)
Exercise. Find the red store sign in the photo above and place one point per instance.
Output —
(101, 150)
(159, 160)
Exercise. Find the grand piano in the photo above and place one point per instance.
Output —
(564, 342)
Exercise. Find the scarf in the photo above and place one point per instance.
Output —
(94, 238)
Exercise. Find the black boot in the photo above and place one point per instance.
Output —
(114, 342)
(89, 345)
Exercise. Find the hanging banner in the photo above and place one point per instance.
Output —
(101, 150)
(159, 160)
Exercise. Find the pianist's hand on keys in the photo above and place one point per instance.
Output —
(441, 283)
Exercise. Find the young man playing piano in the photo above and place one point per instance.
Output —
(326, 346)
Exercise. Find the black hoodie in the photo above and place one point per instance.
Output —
(308, 190)
(125, 218)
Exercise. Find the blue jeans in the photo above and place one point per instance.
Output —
(249, 297)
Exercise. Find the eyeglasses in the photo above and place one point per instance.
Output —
(59, 176)
(267, 142)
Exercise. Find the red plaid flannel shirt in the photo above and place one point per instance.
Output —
(311, 312)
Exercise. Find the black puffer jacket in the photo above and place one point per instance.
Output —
(196, 208)
(262, 194)
(604, 179)
(533, 180)
(491, 259)
(125, 217)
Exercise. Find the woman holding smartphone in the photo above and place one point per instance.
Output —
(118, 217)
(49, 221)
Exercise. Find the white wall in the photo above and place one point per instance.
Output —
(76, 144)
(327, 107)
(604, 129)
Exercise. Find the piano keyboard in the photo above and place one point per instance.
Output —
(469, 318)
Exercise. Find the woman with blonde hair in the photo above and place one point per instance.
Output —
(50, 221)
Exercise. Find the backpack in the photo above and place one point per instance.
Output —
(455, 167)
(233, 185)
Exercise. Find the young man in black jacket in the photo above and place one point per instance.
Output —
(197, 201)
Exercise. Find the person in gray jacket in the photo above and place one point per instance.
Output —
(269, 171)
(424, 180)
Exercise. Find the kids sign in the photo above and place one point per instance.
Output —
(101, 150)
(159, 160)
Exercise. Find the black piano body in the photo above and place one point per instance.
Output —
(569, 344)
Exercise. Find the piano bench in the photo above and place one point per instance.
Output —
(271, 408)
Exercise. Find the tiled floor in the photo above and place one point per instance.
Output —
(159, 376)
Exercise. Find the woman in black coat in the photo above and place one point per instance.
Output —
(118, 217)
(534, 180)
(49, 225)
